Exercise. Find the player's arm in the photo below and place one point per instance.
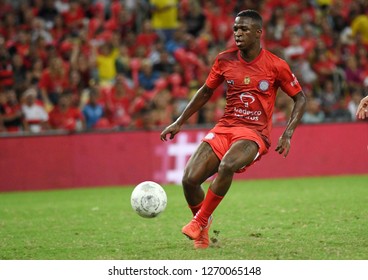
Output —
(300, 101)
(198, 100)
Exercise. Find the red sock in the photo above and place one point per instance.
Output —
(210, 202)
(195, 208)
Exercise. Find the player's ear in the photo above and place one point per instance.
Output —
(259, 32)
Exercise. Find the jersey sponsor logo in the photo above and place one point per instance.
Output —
(247, 114)
(247, 99)
(247, 80)
(263, 85)
(210, 136)
(294, 82)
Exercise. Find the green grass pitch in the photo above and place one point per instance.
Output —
(320, 218)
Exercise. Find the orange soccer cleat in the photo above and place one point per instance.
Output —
(203, 241)
(198, 233)
(192, 230)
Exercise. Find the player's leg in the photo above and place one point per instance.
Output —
(202, 165)
(240, 154)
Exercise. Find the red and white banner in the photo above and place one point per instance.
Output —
(127, 158)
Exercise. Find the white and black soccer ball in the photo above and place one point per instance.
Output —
(148, 199)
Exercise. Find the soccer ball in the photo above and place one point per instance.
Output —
(148, 199)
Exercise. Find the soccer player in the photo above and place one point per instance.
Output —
(362, 111)
(242, 135)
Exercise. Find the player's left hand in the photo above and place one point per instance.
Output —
(172, 129)
(283, 145)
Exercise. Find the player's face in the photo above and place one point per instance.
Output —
(246, 32)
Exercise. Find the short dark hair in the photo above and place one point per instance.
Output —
(254, 15)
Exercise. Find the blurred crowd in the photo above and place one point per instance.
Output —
(76, 65)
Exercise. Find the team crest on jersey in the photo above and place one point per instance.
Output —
(247, 80)
(263, 85)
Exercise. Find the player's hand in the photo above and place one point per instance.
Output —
(172, 129)
(362, 111)
(283, 145)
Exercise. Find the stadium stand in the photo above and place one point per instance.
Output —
(140, 67)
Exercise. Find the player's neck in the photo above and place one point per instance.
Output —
(250, 54)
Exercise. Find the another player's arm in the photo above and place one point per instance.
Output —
(300, 102)
(196, 103)
(362, 111)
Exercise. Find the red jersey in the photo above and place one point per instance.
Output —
(53, 84)
(65, 120)
(251, 88)
(117, 107)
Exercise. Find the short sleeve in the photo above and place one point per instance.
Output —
(287, 80)
(215, 78)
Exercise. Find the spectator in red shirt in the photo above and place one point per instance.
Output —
(53, 82)
(147, 37)
(162, 108)
(10, 112)
(117, 101)
(8, 27)
(76, 87)
(73, 18)
(295, 49)
(323, 64)
(80, 62)
(292, 15)
(308, 40)
(220, 24)
(96, 22)
(65, 117)
(22, 43)
(6, 68)
(58, 30)
(326, 33)
(123, 23)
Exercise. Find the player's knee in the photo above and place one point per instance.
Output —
(189, 181)
(227, 167)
